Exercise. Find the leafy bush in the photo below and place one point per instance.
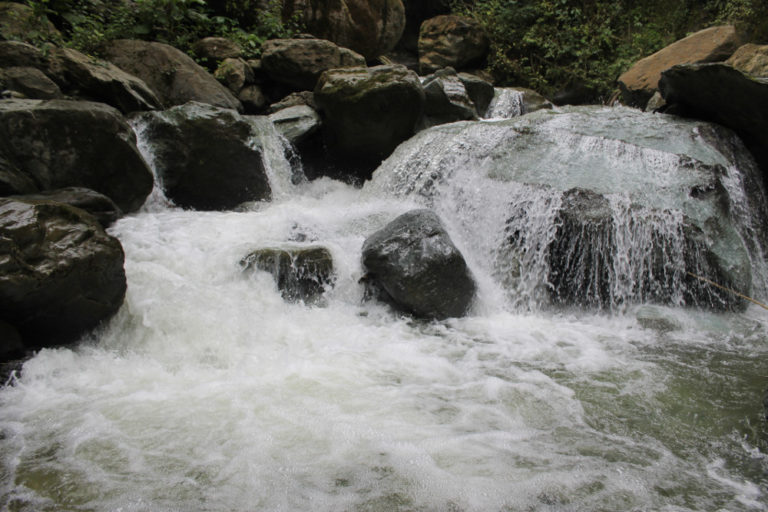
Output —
(550, 45)
(87, 24)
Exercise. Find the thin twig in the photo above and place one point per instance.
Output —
(709, 281)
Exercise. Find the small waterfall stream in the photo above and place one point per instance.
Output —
(209, 392)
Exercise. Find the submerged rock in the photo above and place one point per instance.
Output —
(413, 260)
(206, 157)
(61, 143)
(302, 274)
(593, 206)
(60, 273)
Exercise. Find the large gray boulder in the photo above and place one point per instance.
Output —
(61, 143)
(171, 74)
(369, 27)
(100, 80)
(713, 44)
(450, 40)
(60, 273)
(720, 93)
(298, 63)
(206, 157)
(446, 99)
(656, 197)
(367, 112)
(414, 262)
(301, 273)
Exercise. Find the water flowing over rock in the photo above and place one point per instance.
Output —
(709, 45)
(413, 260)
(357, 105)
(298, 63)
(720, 93)
(657, 198)
(206, 157)
(509, 102)
(172, 75)
(751, 59)
(60, 273)
(369, 27)
(450, 40)
(301, 274)
(62, 143)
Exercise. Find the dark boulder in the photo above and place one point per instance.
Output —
(100, 206)
(30, 82)
(583, 260)
(302, 274)
(369, 27)
(720, 93)
(18, 20)
(61, 143)
(480, 91)
(446, 99)
(206, 157)
(18, 54)
(292, 100)
(713, 44)
(413, 260)
(99, 80)
(171, 74)
(60, 273)
(367, 112)
(450, 40)
(253, 99)
(298, 63)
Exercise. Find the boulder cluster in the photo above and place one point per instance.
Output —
(368, 76)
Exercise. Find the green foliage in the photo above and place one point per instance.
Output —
(550, 45)
(87, 24)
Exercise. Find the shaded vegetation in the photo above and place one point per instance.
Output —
(547, 45)
(550, 45)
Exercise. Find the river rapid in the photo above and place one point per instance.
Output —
(208, 392)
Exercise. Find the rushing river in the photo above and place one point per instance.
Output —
(209, 392)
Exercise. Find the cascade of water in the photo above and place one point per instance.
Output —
(506, 103)
(667, 202)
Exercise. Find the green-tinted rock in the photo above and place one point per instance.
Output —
(301, 274)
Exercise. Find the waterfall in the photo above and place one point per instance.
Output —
(506, 103)
(652, 203)
(580, 380)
